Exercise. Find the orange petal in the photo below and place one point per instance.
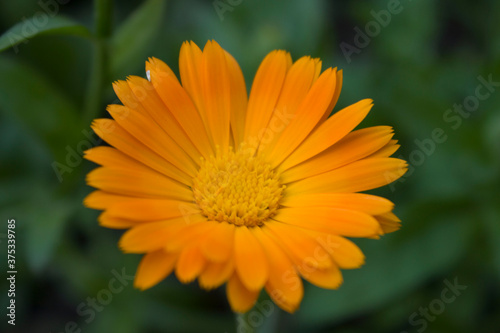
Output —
(303, 249)
(127, 96)
(359, 176)
(145, 100)
(390, 148)
(307, 116)
(129, 151)
(102, 200)
(330, 220)
(317, 68)
(307, 254)
(176, 99)
(331, 131)
(137, 182)
(284, 285)
(240, 298)
(141, 209)
(115, 222)
(216, 91)
(344, 252)
(354, 146)
(190, 234)
(216, 274)
(250, 260)
(389, 222)
(190, 59)
(153, 268)
(298, 81)
(190, 264)
(147, 131)
(366, 203)
(218, 245)
(239, 100)
(330, 278)
(153, 236)
(335, 98)
(155, 64)
(266, 89)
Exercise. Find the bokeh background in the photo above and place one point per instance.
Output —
(423, 59)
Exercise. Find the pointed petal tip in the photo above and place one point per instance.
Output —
(184, 280)
(205, 286)
(116, 83)
(188, 45)
(141, 286)
(86, 200)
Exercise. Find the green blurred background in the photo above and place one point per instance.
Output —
(429, 57)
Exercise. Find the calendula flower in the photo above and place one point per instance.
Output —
(257, 191)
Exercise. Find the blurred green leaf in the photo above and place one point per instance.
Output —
(490, 216)
(32, 100)
(29, 28)
(17, 177)
(129, 45)
(491, 135)
(43, 220)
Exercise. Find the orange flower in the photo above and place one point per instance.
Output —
(254, 191)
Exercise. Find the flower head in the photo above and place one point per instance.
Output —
(257, 191)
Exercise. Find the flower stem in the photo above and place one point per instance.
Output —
(96, 82)
(99, 70)
(103, 17)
